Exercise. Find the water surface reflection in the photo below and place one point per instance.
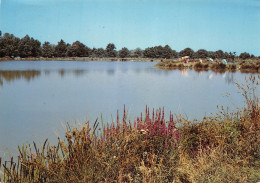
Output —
(28, 75)
(11, 75)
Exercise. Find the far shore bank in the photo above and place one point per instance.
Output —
(80, 59)
(249, 66)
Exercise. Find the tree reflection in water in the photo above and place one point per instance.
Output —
(11, 75)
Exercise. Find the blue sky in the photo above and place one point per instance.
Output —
(230, 25)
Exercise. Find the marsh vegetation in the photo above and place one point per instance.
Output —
(250, 66)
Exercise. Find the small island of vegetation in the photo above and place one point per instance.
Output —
(249, 65)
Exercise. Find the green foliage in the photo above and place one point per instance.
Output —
(201, 54)
(100, 52)
(244, 56)
(11, 46)
(78, 49)
(220, 54)
(111, 50)
(186, 52)
(212, 54)
(123, 53)
(25, 49)
(60, 49)
(48, 50)
(174, 54)
(136, 53)
(158, 52)
(29, 47)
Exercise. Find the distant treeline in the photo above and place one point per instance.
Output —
(11, 46)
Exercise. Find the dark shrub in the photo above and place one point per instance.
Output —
(198, 65)
(219, 66)
(180, 66)
(232, 67)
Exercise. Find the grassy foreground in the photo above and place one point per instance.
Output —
(220, 148)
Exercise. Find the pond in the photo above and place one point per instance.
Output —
(37, 98)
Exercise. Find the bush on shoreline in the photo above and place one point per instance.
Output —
(220, 148)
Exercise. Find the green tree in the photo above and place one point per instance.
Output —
(220, 54)
(35, 47)
(226, 55)
(29, 47)
(48, 49)
(175, 54)
(16, 42)
(244, 56)
(71, 51)
(9, 45)
(158, 52)
(166, 52)
(212, 54)
(232, 55)
(136, 53)
(149, 52)
(201, 53)
(100, 52)
(1, 45)
(61, 49)
(111, 50)
(78, 49)
(123, 53)
(186, 52)
(25, 49)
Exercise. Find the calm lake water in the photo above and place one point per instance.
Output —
(36, 98)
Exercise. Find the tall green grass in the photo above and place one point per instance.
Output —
(221, 148)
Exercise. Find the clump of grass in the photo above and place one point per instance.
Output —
(232, 67)
(218, 66)
(167, 65)
(250, 67)
(221, 148)
(181, 66)
(170, 65)
(206, 66)
(160, 64)
(200, 66)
